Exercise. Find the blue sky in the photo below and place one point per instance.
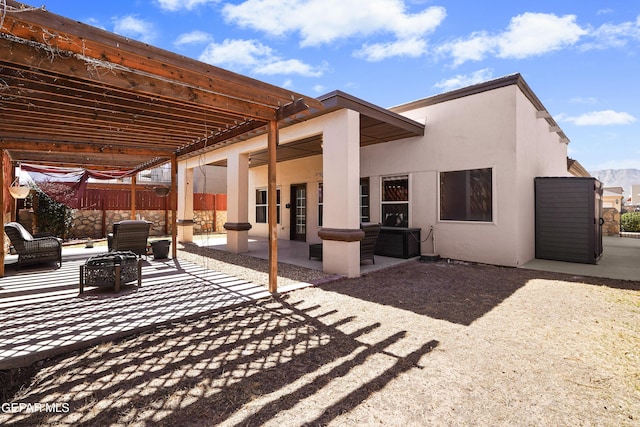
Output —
(581, 58)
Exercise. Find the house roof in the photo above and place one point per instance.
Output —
(576, 169)
(513, 79)
(75, 95)
(613, 194)
(377, 125)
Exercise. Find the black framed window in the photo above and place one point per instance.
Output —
(466, 195)
(364, 200)
(262, 203)
(395, 201)
(320, 203)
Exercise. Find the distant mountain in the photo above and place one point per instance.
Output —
(618, 178)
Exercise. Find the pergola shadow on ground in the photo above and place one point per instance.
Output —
(214, 367)
(43, 313)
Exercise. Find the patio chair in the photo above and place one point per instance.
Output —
(129, 235)
(368, 242)
(33, 250)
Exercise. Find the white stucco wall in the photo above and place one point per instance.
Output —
(473, 132)
(210, 179)
(540, 152)
(301, 171)
(495, 129)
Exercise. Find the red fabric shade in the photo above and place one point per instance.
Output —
(67, 185)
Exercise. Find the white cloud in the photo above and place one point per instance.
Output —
(194, 37)
(377, 52)
(598, 118)
(319, 89)
(614, 35)
(237, 53)
(532, 34)
(475, 48)
(255, 57)
(325, 21)
(461, 80)
(175, 5)
(133, 27)
(529, 34)
(288, 66)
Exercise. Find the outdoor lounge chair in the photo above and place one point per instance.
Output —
(129, 235)
(33, 250)
(368, 242)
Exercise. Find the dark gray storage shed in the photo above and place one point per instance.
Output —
(568, 219)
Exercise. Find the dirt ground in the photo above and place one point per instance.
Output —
(420, 344)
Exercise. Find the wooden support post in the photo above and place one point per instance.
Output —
(272, 212)
(14, 204)
(133, 197)
(174, 206)
(2, 211)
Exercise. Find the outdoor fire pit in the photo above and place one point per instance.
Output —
(111, 269)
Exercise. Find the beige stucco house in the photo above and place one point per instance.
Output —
(460, 166)
(612, 197)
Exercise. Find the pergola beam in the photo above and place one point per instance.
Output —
(103, 72)
(66, 35)
(35, 146)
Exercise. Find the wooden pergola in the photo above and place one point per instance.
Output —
(77, 96)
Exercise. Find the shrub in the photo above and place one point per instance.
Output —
(630, 221)
(51, 216)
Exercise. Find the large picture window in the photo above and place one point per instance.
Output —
(262, 202)
(466, 195)
(395, 201)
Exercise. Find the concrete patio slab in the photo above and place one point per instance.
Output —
(620, 260)
(291, 252)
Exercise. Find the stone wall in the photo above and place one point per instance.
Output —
(88, 223)
(611, 226)
(208, 221)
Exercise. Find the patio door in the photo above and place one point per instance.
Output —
(299, 212)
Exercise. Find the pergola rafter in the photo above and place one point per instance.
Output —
(75, 95)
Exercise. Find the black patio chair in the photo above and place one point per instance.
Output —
(368, 242)
(33, 250)
(129, 235)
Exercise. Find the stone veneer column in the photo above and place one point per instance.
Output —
(341, 232)
(237, 224)
(185, 203)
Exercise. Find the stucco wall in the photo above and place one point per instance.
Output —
(540, 152)
(468, 133)
(301, 171)
(496, 129)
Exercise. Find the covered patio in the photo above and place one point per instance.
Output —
(75, 96)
